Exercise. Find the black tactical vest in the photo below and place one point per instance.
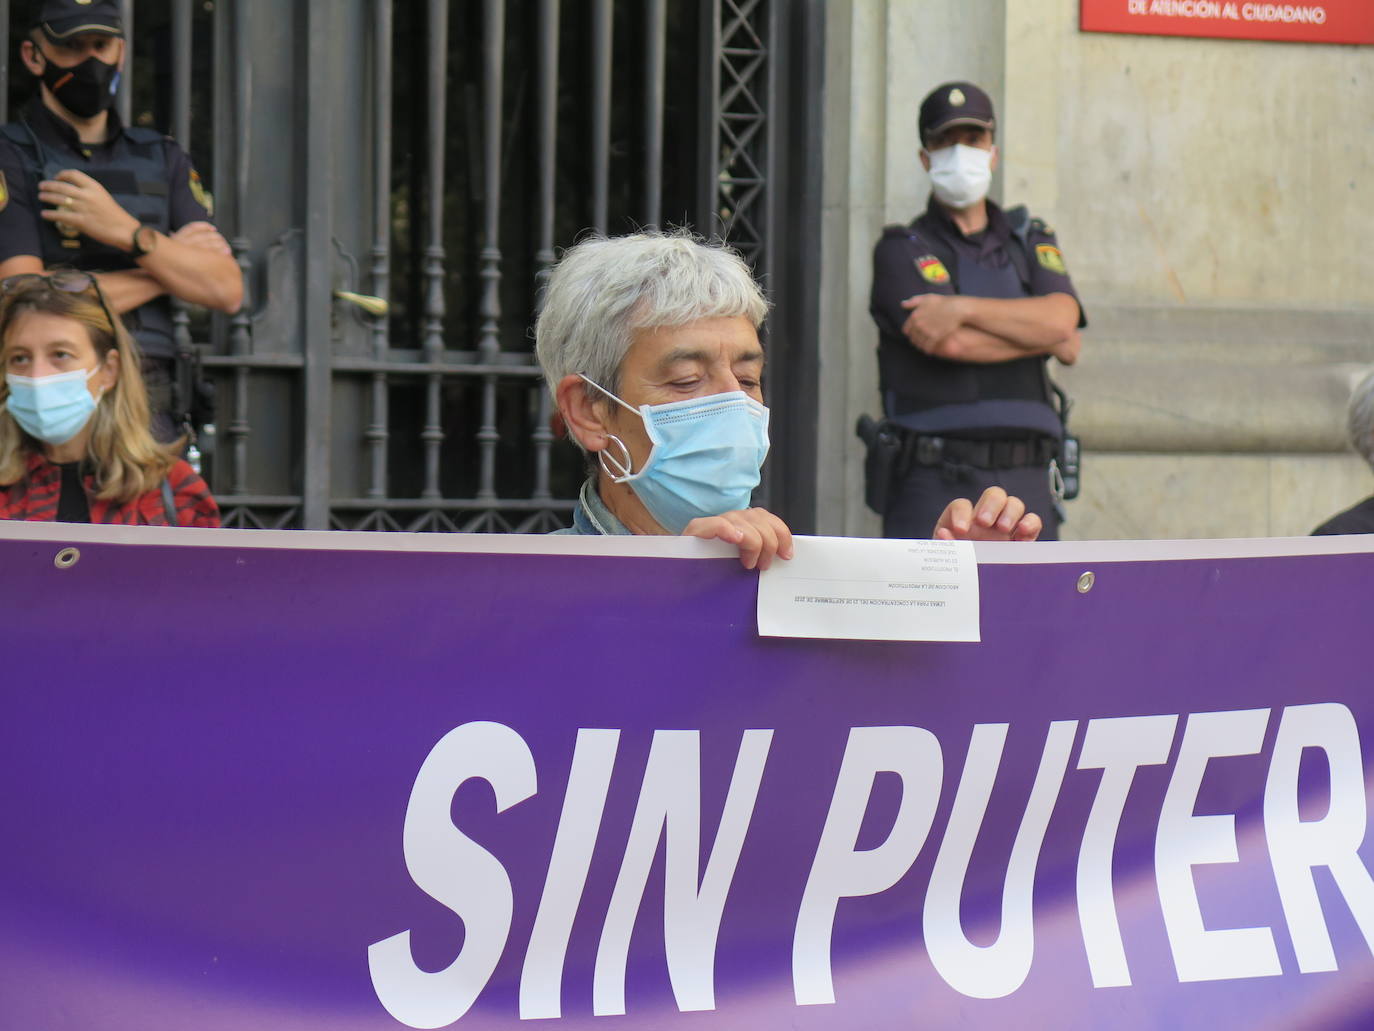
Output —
(134, 169)
(919, 389)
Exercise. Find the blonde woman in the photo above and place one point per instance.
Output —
(74, 439)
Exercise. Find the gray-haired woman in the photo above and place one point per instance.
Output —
(649, 344)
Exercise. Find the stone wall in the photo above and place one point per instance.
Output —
(1214, 200)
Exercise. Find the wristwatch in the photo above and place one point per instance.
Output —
(136, 248)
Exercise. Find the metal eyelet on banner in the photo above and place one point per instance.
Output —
(1086, 581)
(66, 558)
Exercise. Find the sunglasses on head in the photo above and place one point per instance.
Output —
(67, 281)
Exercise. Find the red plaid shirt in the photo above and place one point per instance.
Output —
(34, 498)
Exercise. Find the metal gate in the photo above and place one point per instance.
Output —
(429, 157)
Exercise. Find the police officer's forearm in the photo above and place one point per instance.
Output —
(124, 290)
(1036, 325)
(967, 344)
(20, 264)
(128, 289)
(194, 274)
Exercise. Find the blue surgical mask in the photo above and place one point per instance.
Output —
(706, 456)
(51, 408)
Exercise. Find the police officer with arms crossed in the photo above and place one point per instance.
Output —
(79, 189)
(970, 303)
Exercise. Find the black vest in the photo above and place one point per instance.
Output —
(936, 394)
(133, 167)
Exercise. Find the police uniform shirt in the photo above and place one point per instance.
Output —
(916, 259)
(21, 227)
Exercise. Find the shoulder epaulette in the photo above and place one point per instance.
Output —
(138, 134)
(1018, 219)
(28, 147)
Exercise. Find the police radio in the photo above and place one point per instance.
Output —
(1067, 461)
(1068, 466)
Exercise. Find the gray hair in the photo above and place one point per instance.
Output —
(606, 289)
(1360, 419)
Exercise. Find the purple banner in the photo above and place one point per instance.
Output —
(301, 781)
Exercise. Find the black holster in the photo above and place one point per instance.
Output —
(193, 395)
(882, 463)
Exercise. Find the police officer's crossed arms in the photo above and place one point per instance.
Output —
(79, 189)
(970, 303)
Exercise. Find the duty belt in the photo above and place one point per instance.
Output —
(920, 449)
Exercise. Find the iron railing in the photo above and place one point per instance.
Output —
(434, 156)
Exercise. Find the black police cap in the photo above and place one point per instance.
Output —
(60, 20)
(955, 103)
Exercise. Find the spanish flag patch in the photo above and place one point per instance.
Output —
(4, 192)
(932, 269)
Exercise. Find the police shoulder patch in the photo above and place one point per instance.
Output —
(4, 192)
(932, 269)
(1049, 257)
(201, 194)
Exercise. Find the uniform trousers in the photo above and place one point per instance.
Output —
(925, 490)
(158, 376)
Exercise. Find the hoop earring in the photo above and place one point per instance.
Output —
(618, 469)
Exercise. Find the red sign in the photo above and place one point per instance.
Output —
(1303, 21)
